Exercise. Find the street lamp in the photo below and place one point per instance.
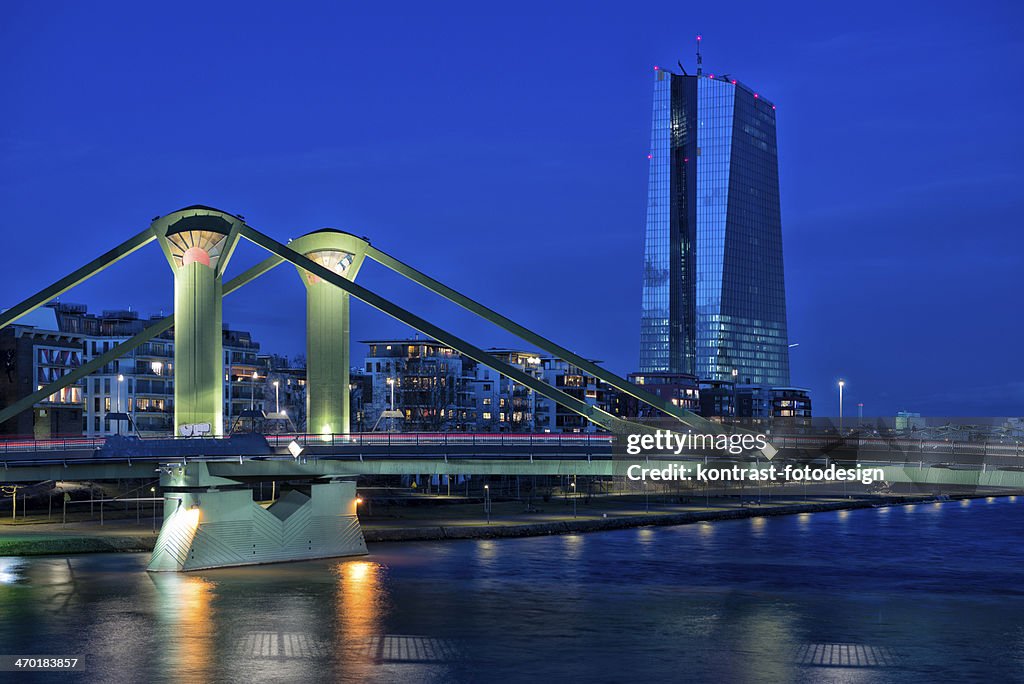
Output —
(277, 397)
(391, 416)
(252, 395)
(487, 502)
(152, 490)
(120, 385)
(573, 485)
(735, 379)
(842, 383)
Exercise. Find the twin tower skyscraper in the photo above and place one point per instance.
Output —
(714, 296)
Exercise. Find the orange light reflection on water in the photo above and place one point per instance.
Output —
(360, 608)
(186, 606)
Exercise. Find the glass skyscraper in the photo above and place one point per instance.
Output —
(714, 296)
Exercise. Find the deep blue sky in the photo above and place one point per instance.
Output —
(505, 153)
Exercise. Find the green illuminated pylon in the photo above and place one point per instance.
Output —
(198, 242)
(327, 328)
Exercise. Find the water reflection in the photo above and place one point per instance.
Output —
(487, 551)
(11, 569)
(359, 604)
(768, 599)
(572, 546)
(184, 609)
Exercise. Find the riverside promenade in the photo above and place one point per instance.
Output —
(35, 535)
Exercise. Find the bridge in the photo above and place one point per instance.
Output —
(210, 519)
(253, 457)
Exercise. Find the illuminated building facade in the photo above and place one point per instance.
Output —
(713, 288)
(501, 404)
(428, 383)
(680, 389)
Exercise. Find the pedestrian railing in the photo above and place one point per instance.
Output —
(443, 439)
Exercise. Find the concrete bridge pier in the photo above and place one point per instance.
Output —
(213, 522)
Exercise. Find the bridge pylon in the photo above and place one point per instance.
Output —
(327, 327)
(198, 242)
(213, 522)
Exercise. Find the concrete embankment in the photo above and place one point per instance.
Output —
(502, 530)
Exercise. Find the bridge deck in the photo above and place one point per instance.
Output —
(247, 457)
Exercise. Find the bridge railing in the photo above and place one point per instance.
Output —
(57, 444)
(27, 444)
(927, 447)
(1009, 449)
(443, 439)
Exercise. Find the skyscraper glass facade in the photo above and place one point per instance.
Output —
(713, 291)
(656, 318)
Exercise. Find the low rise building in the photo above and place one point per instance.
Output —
(757, 401)
(717, 398)
(499, 404)
(426, 382)
(35, 353)
(552, 417)
(679, 389)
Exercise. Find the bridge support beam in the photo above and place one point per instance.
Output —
(216, 527)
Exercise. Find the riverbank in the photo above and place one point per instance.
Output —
(457, 521)
(497, 530)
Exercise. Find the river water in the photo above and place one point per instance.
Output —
(931, 592)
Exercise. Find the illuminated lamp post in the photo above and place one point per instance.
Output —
(842, 383)
(487, 502)
(735, 407)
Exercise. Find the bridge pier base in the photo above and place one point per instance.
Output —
(216, 527)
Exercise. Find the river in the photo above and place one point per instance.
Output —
(906, 593)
